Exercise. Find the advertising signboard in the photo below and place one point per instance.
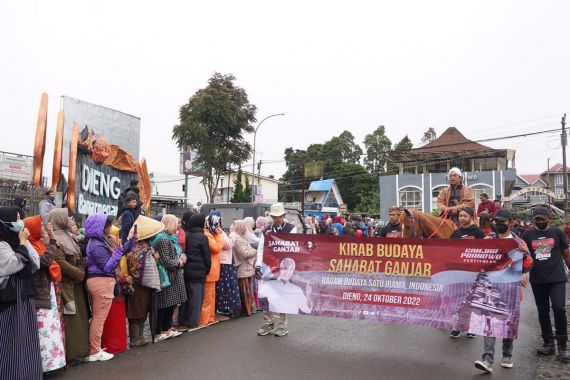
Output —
(117, 127)
(17, 168)
(98, 186)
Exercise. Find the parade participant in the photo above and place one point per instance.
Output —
(279, 225)
(75, 308)
(46, 205)
(485, 224)
(338, 225)
(228, 302)
(467, 230)
(103, 258)
(139, 302)
(22, 204)
(213, 232)
(503, 222)
(245, 260)
(393, 228)
(497, 204)
(454, 197)
(197, 267)
(370, 230)
(549, 249)
(51, 333)
(19, 343)
(282, 295)
(166, 245)
(486, 206)
(128, 217)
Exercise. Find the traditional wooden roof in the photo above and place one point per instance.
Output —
(451, 141)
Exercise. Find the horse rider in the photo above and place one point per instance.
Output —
(455, 197)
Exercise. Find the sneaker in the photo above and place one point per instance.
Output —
(100, 356)
(281, 331)
(173, 333)
(484, 365)
(469, 335)
(161, 337)
(507, 362)
(266, 329)
(455, 334)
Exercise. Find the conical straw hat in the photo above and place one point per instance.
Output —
(146, 227)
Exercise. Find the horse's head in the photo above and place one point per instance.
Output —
(409, 224)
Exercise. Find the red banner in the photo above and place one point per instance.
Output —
(468, 285)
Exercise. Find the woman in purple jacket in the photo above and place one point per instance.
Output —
(103, 257)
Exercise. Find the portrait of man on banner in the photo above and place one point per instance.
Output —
(282, 296)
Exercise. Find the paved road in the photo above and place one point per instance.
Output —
(316, 348)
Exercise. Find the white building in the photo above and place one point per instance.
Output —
(172, 185)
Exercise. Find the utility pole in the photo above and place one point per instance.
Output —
(564, 173)
(303, 190)
(258, 180)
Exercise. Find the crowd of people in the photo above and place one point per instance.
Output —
(68, 295)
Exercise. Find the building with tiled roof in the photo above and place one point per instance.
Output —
(453, 149)
(423, 172)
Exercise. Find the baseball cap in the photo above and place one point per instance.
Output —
(540, 212)
(503, 214)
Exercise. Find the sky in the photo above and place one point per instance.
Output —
(486, 67)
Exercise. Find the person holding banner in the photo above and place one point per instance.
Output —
(282, 295)
(467, 230)
(279, 225)
(393, 228)
(503, 222)
(549, 249)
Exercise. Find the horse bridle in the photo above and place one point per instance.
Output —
(412, 219)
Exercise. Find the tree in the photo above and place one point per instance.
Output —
(213, 123)
(429, 136)
(247, 191)
(238, 194)
(378, 147)
(405, 145)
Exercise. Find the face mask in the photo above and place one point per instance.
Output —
(501, 228)
(17, 226)
(541, 225)
(51, 198)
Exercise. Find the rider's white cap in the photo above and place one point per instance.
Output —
(456, 171)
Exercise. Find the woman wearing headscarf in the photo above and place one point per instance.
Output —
(75, 309)
(250, 236)
(166, 245)
(197, 267)
(213, 232)
(245, 260)
(260, 224)
(19, 342)
(114, 338)
(103, 258)
(50, 324)
(139, 303)
(228, 302)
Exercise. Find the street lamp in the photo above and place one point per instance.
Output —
(253, 164)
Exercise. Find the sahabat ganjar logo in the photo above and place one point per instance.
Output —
(284, 246)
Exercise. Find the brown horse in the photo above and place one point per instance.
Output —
(416, 224)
